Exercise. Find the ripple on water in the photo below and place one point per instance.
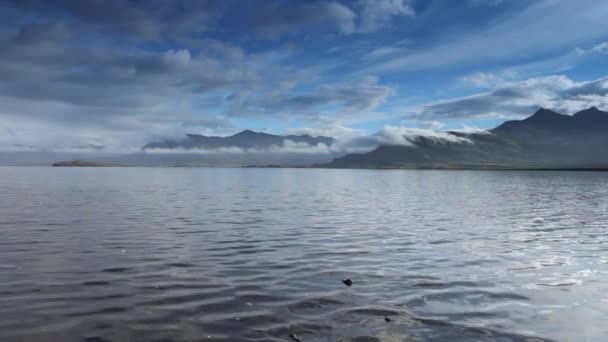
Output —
(260, 255)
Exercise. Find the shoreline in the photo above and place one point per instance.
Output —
(430, 168)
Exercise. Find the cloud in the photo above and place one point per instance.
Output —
(470, 130)
(485, 79)
(117, 73)
(52, 68)
(117, 82)
(563, 62)
(601, 48)
(214, 47)
(287, 147)
(533, 32)
(275, 20)
(344, 98)
(146, 19)
(520, 98)
(432, 125)
(51, 82)
(40, 136)
(374, 15)
(365, 16)
(108, 88)
(337, 131)
(348, 141)
(488, 3)
(396, 135)
(384, 52)
(597, 48)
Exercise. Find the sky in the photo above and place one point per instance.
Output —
(116, 74)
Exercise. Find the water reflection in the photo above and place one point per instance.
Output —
(260, 254)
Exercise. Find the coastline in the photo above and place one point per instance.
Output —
(383, 167)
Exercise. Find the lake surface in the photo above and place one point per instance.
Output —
(178, 254)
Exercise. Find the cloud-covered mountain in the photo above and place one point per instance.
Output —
(245, 140)
(544, 140)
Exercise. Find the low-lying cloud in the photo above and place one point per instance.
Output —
(395, 135)
(521, 98)
(354, 143)
(287, 147)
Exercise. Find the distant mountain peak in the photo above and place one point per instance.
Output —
(544, 113)
(546, 139)
(590, 112)
(249, 133)
(302, 135)
(590, 109)
(244, 139)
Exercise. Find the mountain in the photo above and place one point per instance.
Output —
(544, 140)
(246, 140)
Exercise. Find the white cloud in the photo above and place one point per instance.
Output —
(338, 131)
(351, 141)
(288, 146)
(342, 99)
(272, 20)
(177, 58)
(535, 31)
(384, 52)
(486, 79)
(520, 98)
(395, 135)
(432, 125)
(601, 47)
(377, 14)
(470, 130)
(118, 92)
(365, 16)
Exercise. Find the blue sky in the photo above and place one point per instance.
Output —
(121, 73)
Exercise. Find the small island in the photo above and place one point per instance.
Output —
(86, 163)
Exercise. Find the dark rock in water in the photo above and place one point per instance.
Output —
(347, 282)
(386, 319)
(295, 338)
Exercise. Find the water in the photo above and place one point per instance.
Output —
(173, 254)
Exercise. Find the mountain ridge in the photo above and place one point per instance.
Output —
(246, 139)
(546, 139)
